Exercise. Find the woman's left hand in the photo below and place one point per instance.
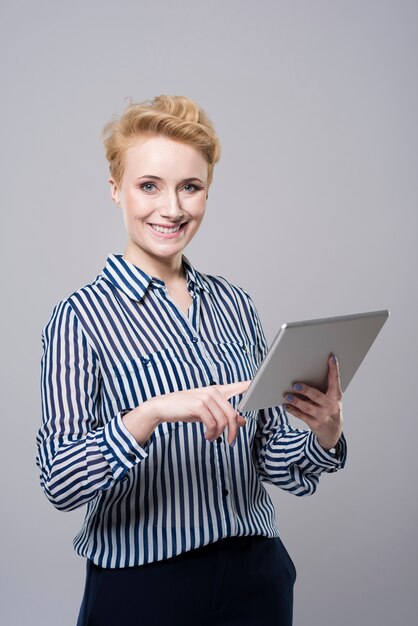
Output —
(322, 412)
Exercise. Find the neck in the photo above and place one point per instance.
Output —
(169, 270)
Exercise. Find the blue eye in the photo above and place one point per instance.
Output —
(191, 188)
(148, 187)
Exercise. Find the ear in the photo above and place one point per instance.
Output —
(114, 192)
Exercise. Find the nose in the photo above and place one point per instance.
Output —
(170, 207)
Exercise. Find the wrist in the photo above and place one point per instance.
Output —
(328, 445)
(141, 422)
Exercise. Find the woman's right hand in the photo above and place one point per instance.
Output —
(205, 404)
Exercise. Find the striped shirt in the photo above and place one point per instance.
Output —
(122, 340)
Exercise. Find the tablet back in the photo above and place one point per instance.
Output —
(300, 351)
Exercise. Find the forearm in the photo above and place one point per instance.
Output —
(295, 461)
(290, 458)
(73, 472)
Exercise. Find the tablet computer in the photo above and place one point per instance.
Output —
(300, 352)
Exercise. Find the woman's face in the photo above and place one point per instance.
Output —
(164, 186)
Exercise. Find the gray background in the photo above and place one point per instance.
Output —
(313, 210)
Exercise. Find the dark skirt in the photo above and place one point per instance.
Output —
(240, 581)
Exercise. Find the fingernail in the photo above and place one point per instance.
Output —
(289, 397)
(297, 386)
(233, 443)
(334, 358)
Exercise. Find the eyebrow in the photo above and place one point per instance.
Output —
(185, 180)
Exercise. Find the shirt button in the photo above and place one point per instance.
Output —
(145, 360)
(244, 348)
(132, 456)
(195, 339)
(219, 440)
(213, 382)
(225, 492)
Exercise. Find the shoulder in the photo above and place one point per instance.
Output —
(80, 300)
(86, 296)
(230, 295)
(236, 305)
(220, 285)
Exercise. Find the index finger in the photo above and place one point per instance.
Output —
(233, 389)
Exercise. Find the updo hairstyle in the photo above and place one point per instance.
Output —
(175, 117)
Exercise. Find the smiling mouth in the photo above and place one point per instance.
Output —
(163, 229)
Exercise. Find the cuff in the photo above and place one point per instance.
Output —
(119, 447)
(330, 462)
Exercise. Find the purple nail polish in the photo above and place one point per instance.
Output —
(233, 443)
(289, 397)
(334, 358)
(297, 386)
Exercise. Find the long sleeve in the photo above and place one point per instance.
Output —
(285, 456)
(77, 456)
(118, 342)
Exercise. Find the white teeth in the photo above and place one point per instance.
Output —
(161, 229)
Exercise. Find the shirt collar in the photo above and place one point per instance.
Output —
(134, 282)
(194, 276)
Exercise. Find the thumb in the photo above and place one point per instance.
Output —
(334, 384)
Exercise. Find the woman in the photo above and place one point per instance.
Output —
(141, 374)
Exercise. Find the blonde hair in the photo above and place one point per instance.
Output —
(175, 117)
